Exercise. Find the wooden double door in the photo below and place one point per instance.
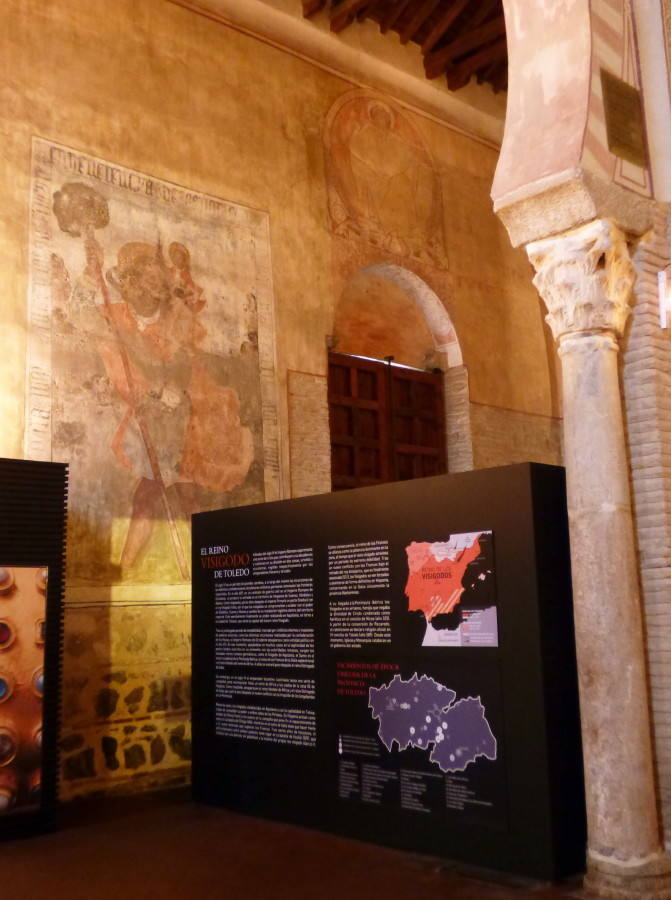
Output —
(387, 422)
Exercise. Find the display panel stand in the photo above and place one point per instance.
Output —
(396, 663)
(33, 498)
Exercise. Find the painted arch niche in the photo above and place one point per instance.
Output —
(386, 310)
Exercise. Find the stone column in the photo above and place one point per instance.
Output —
(585, 277)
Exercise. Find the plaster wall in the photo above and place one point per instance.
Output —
(366, 57)
(159, 89)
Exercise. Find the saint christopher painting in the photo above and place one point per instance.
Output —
(155, 371)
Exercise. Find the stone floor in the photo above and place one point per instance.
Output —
(165, 847)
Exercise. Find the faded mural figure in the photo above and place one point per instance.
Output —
(179, 431)
(150, 370)
(383, 186)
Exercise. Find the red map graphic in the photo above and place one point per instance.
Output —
(434, 586)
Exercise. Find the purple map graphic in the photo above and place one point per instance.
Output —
(420, 712)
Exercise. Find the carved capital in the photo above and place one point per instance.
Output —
(585, 277)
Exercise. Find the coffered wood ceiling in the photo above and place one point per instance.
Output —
(459, 38)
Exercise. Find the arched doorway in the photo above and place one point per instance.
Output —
(387, 312)
(383, 310)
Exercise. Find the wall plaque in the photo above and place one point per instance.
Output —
(624, 119)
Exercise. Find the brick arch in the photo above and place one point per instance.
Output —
(556, 168)
(446, 341)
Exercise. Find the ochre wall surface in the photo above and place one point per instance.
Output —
(346, 179)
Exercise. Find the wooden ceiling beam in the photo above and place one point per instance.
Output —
(499, 78)
(442, 26)
(417, 19)
(310, 7)
(472, 33)
(487, 72)
(460, 75)
(393, 15)
(366, 11)
(344, 12)
(436, 63)
(375, 7)
(484, 9)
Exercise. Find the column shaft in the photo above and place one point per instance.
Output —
(585, 277)
(621, 805)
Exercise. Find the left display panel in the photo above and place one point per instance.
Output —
(33, 497)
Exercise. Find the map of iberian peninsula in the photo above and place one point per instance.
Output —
(420, 712)
(435, 572)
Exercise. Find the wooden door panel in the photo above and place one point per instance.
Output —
(387, 422)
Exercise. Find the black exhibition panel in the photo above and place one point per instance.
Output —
(396, 664)
(33, 511)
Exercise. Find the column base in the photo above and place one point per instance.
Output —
(650, 880)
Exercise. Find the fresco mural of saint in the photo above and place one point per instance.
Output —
(156, 397)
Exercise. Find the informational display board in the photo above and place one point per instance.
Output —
(32, 557)
(396, 663)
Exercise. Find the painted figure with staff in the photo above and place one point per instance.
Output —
(180, 430)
